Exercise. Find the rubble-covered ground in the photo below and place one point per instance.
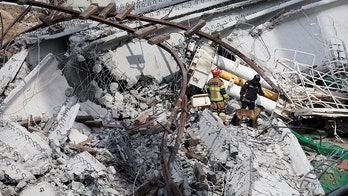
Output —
(105, 135)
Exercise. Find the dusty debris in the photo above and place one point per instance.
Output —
(106, 111)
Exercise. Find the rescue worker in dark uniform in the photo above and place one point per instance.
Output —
(249, 92)
(217, 94)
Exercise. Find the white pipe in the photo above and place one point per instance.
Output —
(240, 70)
(233, 90)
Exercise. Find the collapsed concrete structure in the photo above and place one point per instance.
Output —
(85, 110)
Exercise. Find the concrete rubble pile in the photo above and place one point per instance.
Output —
(87, 119)
(110, 145)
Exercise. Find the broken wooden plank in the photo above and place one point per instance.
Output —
(133, 130)
(140, 119)
(122, 15)
(92, 9)
(218, 36)
(33, 129)
(83, 148)
(46, 20)
(193, 155)
(143, 32)
(84, 118)
(86, 141)
(107, 10)
(174, 188)
(113, 126)
(94, 123)
(29, 121)
(96, 129)
(67, 17)
(117, 116)
(158, 39)
(48, 124)
(195, 28)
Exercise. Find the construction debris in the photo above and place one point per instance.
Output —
(113, 102)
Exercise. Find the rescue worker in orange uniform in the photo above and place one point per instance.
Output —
(217, 94)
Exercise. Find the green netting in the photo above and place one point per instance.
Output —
(324, 148)
(333, 177)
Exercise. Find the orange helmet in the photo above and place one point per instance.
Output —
(215, 72)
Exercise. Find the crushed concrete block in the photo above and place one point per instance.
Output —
(39, 170)
(143, 106)
(75, 185)
(10, 69)
(92, 109)
(41, 189)
(76, 137)
(97, 68)
(233, 150)
(85, 161)
(69, 91)
(111, 170)
(114, 87)
(47, 77)
(107, 100)
(65, 118)
(21, 184)
(9, 191)
(118, 97)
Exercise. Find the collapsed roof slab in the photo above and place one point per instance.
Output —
(137, 58)
(40, 93)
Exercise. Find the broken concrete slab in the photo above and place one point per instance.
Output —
(76, 137)
(65, 120)
(40, 189)
(85, 162)
(10, 69)
(35, 93)
(137, 58)
(214, 134)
